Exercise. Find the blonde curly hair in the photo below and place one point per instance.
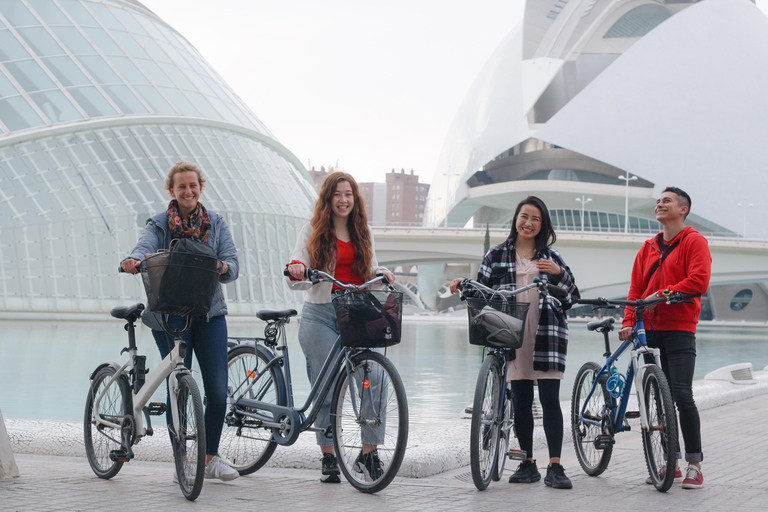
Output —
(183, 166)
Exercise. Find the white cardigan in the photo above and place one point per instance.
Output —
(321, 292)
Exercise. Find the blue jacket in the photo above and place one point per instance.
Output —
(157, 236)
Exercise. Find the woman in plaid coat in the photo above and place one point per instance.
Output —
(527, 253)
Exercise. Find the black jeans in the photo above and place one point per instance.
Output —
(678, 359)
(549, 396)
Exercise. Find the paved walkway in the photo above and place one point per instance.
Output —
(735, 447)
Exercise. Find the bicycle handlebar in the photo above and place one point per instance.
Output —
(318, 276)
(672, 298)
(544, 288)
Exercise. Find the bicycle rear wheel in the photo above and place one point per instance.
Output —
(244, 444)
(484, 431)
(660, 439)
(189, 442)
(592, 459)
(369, 415)
(102, 439)
(506, 435)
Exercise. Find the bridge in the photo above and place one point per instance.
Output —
(602, 262)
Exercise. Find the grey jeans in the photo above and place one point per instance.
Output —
(318, 331)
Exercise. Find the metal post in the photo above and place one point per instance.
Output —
(626, 178)
(583, 202)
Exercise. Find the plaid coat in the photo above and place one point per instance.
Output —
(551, 344)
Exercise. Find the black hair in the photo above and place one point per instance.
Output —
(685, 199)
(546, 236)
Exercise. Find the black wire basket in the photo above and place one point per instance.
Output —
(369, 319)
(180, 283)
(496, 321)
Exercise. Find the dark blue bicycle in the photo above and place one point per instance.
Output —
(602, 397)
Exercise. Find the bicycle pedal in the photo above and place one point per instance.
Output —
(120, 456)
(631, 415)
(156, 408)
(517, 455)
(603, 441)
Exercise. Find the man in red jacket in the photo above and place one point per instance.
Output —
(678, 260)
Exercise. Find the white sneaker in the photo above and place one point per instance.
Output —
(217, 468)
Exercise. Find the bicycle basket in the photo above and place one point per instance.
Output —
(496, 322)
(369, 319)
(181, 282)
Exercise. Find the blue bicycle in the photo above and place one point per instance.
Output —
(601, 397)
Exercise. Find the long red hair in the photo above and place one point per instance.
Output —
(322, 241)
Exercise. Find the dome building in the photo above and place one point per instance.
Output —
(97, 100)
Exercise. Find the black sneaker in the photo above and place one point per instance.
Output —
(526, 473)
(369, 465)
(330, 469)
(556, 478)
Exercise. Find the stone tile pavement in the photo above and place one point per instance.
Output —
(735, 448)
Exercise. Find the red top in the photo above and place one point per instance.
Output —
(686, 269)
(345, 257)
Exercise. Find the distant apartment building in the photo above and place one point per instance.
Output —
(406, 198)
(401, 200)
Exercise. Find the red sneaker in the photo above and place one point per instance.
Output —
(693, 478)
(677, 480)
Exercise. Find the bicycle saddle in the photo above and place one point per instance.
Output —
(603, 325)
(270, 314)
(130, 313)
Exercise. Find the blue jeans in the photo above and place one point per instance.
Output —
(318, 332)
(208, 340)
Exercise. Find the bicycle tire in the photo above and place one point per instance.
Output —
(375, 409)
(189, 442)
(248, 447)
(115, 404)
(592, 460)
(506, 433)
(484, 430)
(660, 439)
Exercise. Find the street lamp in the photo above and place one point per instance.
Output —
(448, 176)
(627, 178)
(583, 202)
(745, 206)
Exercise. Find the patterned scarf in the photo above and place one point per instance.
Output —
(196, 226)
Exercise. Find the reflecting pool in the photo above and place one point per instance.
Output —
(44, 366)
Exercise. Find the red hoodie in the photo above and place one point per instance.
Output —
(686, 268)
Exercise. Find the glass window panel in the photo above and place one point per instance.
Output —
(184, 105)
(173, 53)
(223, 110)
(104, 15)
(129, 70)
(129, 44)
(201, 85)
(155, 100)
(17, 114)
(194, 60)
(76, 10)
(125, 99)
(178, 76)
(73, 40)
(56, 106)
(41, 41)
(92, 101)
(150, 27)
(6, 87)
(128, 21)
(155, 73)
(202, 105)
(18, 14)
(66, 71)
(49, 12)
(10, 47)
(153, 48)
(103, 41)
(99, 69)
(30, 75)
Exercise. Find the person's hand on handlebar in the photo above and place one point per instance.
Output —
(625, 333)
(455, 284)
(224, 267)
(389, 275)
(130, 266)
(297, 271)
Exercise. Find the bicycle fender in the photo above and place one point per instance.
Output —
(105, 364)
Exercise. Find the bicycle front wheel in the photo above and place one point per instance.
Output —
(506, 434)
(660, 439)
(369, 415)
(484, 431)
(593, 460)
(101, 439)
(188, 439)
(244, 443)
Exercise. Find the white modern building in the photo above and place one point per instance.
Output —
(98, 98)
(597, 105)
